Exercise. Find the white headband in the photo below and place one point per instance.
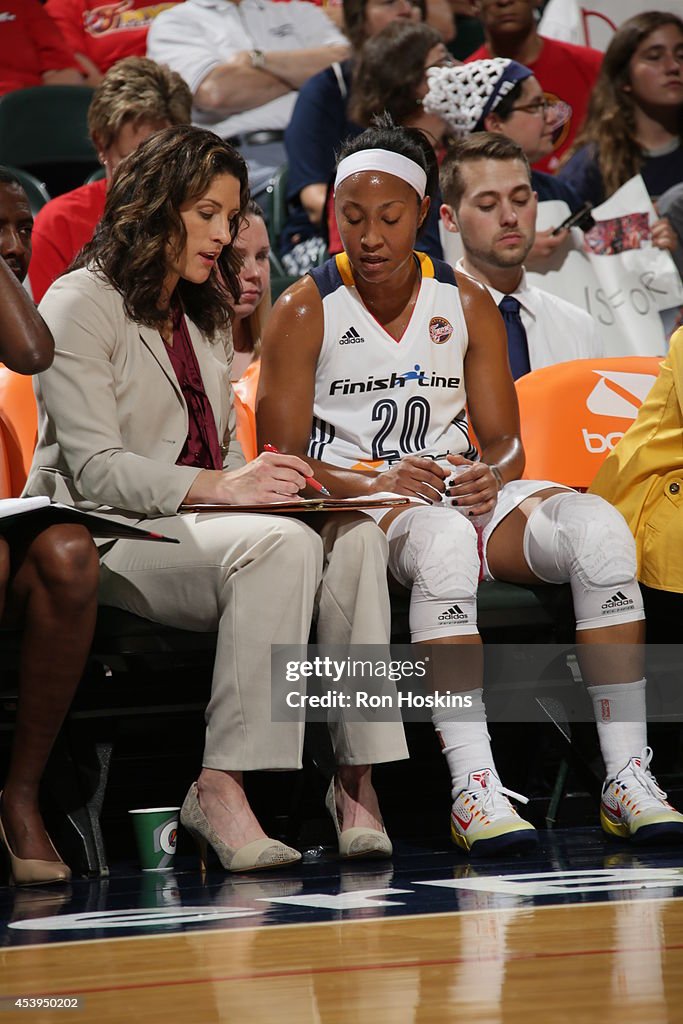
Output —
(383, 160)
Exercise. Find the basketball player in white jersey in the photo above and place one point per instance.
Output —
(367, 365)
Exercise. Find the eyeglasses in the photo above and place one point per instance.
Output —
(538, 107)
(556, 112)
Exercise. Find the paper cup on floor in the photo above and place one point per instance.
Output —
(156, 829)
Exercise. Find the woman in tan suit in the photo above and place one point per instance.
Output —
(136, 419)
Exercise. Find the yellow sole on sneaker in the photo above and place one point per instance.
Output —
(515, 839)
(655, 830)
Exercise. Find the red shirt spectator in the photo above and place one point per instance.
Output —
(565, 72)
(60, 230)
(32, 51)
(106, 32)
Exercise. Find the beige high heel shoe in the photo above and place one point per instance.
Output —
(259, 855)
(357, 841)
(24, 871)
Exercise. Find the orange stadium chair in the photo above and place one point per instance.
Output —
(574, 413)
(245, 408)
(18, 426)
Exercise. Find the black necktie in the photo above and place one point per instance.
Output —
(518, 345)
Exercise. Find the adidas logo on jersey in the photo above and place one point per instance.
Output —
(454, 614)
(351, 337)
(617, 600)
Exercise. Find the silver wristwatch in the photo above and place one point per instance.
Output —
(258, 59)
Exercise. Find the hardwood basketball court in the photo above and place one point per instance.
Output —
(583, 931)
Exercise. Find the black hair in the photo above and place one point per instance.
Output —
(7, 178)
(383, 133)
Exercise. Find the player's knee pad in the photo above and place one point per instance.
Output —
(583, 540)
(433, 552)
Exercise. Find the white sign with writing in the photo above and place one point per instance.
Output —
(622, 290)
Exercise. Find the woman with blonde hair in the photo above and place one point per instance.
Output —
(251, 311)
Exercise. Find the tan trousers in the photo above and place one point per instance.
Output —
(256, 579)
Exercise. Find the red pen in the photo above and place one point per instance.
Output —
(310, 480)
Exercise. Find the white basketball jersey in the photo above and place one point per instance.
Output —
(378, 399)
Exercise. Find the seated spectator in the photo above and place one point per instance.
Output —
(642, 478)
(319, 124)
(635, 119)
(670, 205)
(137, 420)
(48, 585)
(251, 311)
(244, 61)
(135, 99)
(500, 95)
(436, 12)
(390, 77)
(32, 50)
(467, 28)
(487, 188)
(100, 34)
(564, 71)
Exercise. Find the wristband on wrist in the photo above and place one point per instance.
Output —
(498, 477)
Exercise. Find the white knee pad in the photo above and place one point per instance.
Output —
(433, 551)
(581, 539)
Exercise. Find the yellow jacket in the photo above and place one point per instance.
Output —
(643, 477)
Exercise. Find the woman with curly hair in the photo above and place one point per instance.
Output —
(136, 419)
(635, 118)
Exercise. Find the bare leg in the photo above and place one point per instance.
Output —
(356, 799)
(224, 803)
(53, 594)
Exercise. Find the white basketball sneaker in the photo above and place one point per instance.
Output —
(634, 807)
(484, 822)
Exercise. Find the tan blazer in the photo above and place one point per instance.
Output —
(111, 416)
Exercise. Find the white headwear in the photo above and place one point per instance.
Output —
(383, 160)
(464, 94)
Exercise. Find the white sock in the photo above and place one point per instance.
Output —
(620, 716)
(466, 742)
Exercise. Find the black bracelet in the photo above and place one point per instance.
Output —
(498, 477)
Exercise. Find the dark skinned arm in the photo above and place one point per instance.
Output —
(26, 344)
(491, 403)
(284, 403)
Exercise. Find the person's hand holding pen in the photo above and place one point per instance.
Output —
(271, 477)
(310, 480)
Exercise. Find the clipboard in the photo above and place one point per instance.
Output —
(40, 512)
(305, 505)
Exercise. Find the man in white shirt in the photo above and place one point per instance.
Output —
(244, 61)
(488, 198)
